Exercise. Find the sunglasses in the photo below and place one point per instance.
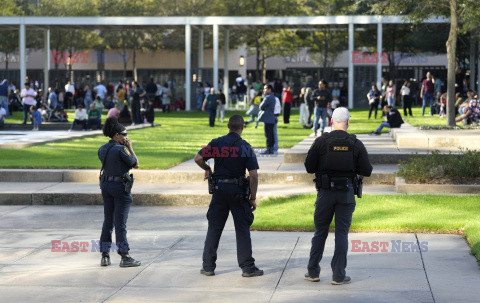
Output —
(123, 134)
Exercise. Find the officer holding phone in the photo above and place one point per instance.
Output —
(117, 157)
(336, 158)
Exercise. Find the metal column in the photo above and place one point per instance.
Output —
(226, 81)
(188, 67)
(350, 64)
(22, 59)
(200, 49)
(46, 70)
(379, 52)
(215, 57)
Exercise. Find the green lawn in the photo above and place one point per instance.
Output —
(178, 139)
(181, 135)
(418, 120)
(382, 213)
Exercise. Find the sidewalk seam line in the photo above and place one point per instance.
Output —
(424, 269)
(28, 205)
(284, 268)
(145, 267)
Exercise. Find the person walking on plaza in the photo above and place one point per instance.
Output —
(267, 116)
(373, 97)
(231, 192)
(117, 158)
(310, 105)
(221, 106)
(210, 103)
(322, 97)
(336, 158)
(426, 94)
(28, 99)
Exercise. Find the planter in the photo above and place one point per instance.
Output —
(416, 188)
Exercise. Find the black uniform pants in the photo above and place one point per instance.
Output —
(329, 203)
(407, 104)
(223, 202)
(116, 205)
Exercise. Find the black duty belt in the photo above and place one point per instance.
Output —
(113, 179)
(229, 181)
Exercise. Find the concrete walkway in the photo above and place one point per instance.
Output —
(169, 242)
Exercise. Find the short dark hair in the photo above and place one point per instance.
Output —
(324, 82)
(269, 86)
(235, 122)
(27, 84)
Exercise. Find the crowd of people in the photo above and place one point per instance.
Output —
(430, 93)
(88, 102)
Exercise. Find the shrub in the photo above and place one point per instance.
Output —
(436, 167)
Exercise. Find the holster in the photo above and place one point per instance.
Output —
(128, 182)
(101, 179)
(245, 185)
(211, 184)
(358, 186)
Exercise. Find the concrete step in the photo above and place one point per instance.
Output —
(51, 193)
(285, 174)
(374, 157)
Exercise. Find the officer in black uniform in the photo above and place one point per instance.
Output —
(117, 157)
(230, 193)
(336, 158)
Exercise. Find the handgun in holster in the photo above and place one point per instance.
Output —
(245, 185)
(358, 186)
(128, 182)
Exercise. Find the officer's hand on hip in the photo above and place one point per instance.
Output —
(207, 174)
(253, 204)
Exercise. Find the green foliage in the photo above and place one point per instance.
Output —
(442, 168)
(387, 213)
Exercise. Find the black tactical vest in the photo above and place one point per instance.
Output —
(339, 157)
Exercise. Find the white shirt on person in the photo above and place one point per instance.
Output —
(28, 100)
(405, 90)
(69, 88)
(101, 90)
(278, 107)
(80, 114)
(252, 93)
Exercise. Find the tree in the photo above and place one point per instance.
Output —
(462, 16)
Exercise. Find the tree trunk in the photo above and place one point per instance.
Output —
(264, 69)
(6, 62)
(257, 61)
(325, 54)
(451, 54)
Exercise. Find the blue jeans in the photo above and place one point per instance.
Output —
(427, 101)
(96, 122)
(211, 116)
(320, 112)
(2, 122)
(4, 103)
(382, 125)
(391, 101)
(275, 136)
(116, 205)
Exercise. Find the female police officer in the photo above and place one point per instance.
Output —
(117, 157)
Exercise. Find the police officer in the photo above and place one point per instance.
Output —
(232, 156)
(336, 158)
(117, 157)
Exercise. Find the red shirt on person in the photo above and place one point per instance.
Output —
(287, 97)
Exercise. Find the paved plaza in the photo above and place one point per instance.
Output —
(169, 242)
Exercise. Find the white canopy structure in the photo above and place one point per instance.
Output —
(227, 22)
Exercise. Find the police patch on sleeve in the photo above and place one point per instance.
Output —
(127, 151)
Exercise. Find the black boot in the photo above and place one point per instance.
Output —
(105, 259)
(128, 261)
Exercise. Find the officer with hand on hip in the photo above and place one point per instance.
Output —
(336, 158)
(117, 157)
(232, 192)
